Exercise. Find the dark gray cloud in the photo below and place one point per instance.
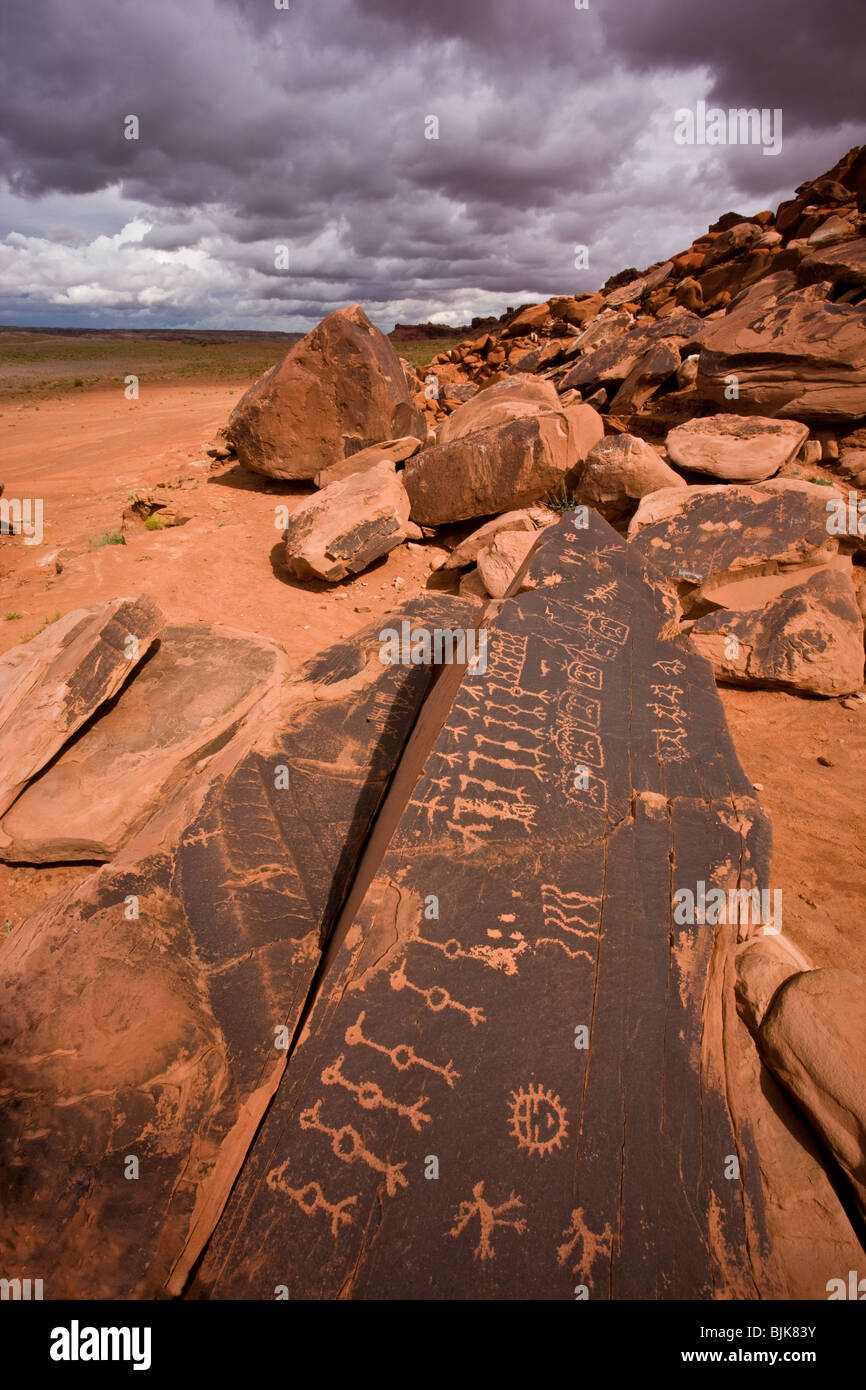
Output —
(305, 127)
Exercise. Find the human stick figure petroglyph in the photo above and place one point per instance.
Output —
(489, 1218)
(348, 1146)
(311, 1198)
(579, 1237)
(371, 1096)
(402, 1056)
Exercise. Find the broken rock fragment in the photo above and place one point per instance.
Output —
(51, 685)
(349, 524)
(181, 703)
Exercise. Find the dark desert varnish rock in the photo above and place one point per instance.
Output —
(50, 686)
(512, 1083)
(140, 1012)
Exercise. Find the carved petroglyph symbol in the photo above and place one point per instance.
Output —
(582, 671)
(590, 1246)
(605, 592)
(348, 1146)
(669, 668)
(502, 958)
(538, 1119)
(669, 733)
(489, 1218)
(311, 1198)
(402, 1056)
(371, 1097)
(574, 913)
(436, 998)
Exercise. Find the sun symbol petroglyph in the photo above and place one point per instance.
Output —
(371, 1097)
(489, 1218)
(402, 1056)
(579, 1237)
(311, 1198)
(538, 1119)
(436, 998)
(348, 1145)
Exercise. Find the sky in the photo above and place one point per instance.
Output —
(429, 159)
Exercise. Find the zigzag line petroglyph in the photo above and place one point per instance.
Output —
(311, 1198)
(371, 1097)
(561, 911)
(402, 1056)
(436, 998)
(355, 1151)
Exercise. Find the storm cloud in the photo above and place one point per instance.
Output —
(307, 127)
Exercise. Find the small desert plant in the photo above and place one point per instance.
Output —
(28, 637)
(155, 522)
(79, 381)
(107, 538)
(561, 500)
(12, 616)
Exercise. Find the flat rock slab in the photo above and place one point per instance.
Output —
(702, 535)
(506, 1086)
(389, 451)
(809, 638)
(51, 685)
(147, 1012)
(613, 360)
(738, 448)
(194, 685)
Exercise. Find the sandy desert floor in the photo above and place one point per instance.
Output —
(86, 452)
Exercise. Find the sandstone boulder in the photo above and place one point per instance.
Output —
(51, 685)
(505, 467)
(619, 471)
(809, 638)
(349, 524)
(499, 561)
(738, 448)
(337, 391)
(793, 354)
(467, 552)
(813, 1039)
(513, 398)
(703, 536)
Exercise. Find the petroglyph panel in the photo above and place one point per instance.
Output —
(142, 1010)
(554, 911)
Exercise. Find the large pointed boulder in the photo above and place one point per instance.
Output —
(336, 392)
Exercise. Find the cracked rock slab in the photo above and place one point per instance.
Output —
(51, 685)
(509, 1083)
(147, 1012)
(196, 683)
